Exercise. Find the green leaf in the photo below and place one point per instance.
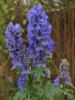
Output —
(69, 94)
(20, 95)
(37, 72)
(13, 17)
(61, 96)
(24, 21)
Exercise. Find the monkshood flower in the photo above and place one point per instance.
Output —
(40, 46)
(38, 34)
(37, 15)
(57, 81)
(64, 74)
(22, 79)
(17, 49)
(14, 42)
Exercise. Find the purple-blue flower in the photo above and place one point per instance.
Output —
(21, 81)
(40, 45)
(38, 34)
(37, 15)
(57, 81)
(64, 74)
(14, 43)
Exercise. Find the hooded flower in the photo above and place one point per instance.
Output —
(38, 34)
(40, 46)
(37, 15)
(64, 74)
(57, 81)
(21, 81)
(14, 42)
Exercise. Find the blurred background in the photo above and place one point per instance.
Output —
(61, 15)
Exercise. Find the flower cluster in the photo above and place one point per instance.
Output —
(39, 37)
(40, 46)
(14, 43)
(17, 49)
(64, 75)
